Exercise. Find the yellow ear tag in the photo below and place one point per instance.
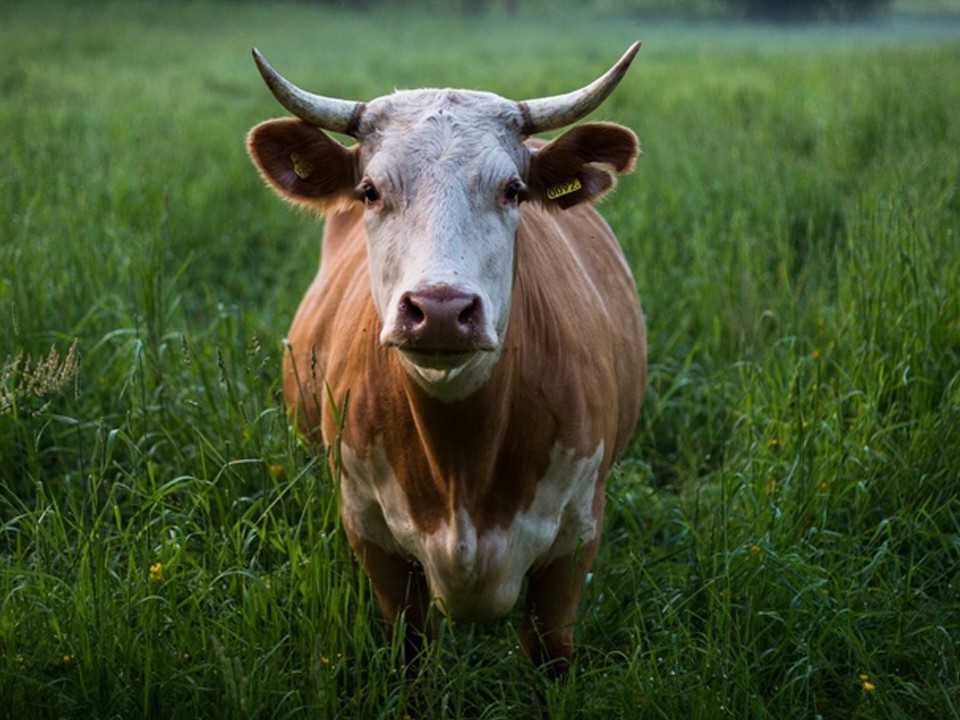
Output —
(301, 165)
(564, 188)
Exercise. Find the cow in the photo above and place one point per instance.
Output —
(471, 350)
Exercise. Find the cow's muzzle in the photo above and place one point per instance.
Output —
(439, 325)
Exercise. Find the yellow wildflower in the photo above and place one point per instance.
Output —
(156, 572)
(276, 471)
(865, 683)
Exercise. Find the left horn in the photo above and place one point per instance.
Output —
(550, 113)
(342, 116)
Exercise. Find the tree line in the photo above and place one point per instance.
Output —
(778, 11)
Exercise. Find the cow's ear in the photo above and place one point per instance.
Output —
(303, 164)
(582, 164)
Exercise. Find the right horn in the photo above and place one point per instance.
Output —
(550, 113)
(342, 116)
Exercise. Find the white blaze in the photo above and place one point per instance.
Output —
(440, 162)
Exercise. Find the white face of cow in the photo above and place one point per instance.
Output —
(442, 178)
(441, 174)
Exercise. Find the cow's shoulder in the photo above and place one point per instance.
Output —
(332, 342)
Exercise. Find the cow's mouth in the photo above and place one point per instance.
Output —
(440, 358)
(448, 373)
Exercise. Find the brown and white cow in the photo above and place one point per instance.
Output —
(481, 318)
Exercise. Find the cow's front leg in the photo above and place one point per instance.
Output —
(553, 597)
(401, 591)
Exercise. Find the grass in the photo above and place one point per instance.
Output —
(783, 536)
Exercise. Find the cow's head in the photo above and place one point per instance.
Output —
(441, 174)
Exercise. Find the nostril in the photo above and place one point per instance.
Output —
(410, 311)
(469, 315)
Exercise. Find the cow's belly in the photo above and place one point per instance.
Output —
(474, 575)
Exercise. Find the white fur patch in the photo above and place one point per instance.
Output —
(440, 160)
(475, 576)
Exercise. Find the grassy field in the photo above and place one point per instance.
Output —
(783, 535)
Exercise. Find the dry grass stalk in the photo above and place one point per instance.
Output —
(21, 379)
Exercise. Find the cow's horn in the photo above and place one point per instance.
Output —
(342, 116)
(550, 113)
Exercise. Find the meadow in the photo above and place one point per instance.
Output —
(782, 537)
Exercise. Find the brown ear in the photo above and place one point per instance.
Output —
(302, 163)
(581, 165)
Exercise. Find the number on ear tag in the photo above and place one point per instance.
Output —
(564, 188)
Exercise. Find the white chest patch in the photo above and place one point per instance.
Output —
(475, 576)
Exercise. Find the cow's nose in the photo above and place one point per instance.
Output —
(440, 319)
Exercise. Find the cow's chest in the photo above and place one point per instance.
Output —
(474, 574)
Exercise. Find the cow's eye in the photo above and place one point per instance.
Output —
(512, 190)
(369, 191)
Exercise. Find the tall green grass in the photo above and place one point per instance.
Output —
(783, 535)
